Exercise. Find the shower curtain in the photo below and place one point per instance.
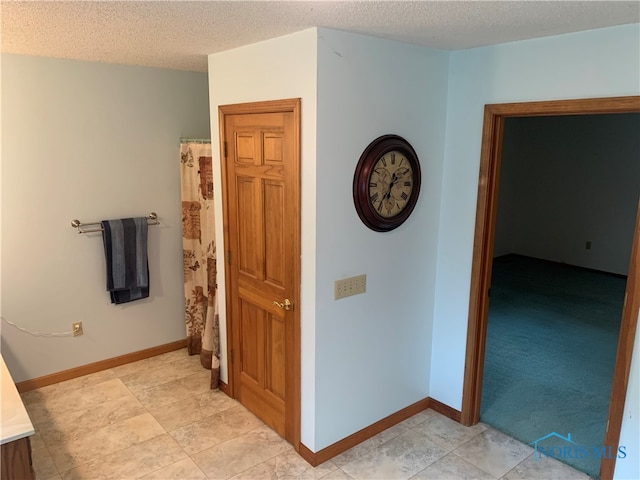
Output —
(199, 254)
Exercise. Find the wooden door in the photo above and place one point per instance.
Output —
(262, 239)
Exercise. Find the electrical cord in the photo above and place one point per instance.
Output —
(38, 334)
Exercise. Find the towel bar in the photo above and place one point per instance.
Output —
(152, 219)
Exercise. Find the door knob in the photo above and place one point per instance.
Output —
(286, 305)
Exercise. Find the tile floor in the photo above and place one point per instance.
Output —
(157, 419)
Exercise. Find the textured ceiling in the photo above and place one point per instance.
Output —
(180, 34)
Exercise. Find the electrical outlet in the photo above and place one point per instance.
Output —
(587, 245)
(76, 328)
(349, 286)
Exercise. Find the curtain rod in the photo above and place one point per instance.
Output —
(195, 140)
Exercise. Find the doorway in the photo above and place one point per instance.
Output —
(494, 121)
(260, 145)
(568, 194)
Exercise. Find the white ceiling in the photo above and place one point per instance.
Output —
(180, 34)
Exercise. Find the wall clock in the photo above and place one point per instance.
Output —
(386, 183)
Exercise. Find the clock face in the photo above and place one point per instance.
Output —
(386, 183)
(391, 184)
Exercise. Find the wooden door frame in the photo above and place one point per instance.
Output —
(492, 136)
(292, 372)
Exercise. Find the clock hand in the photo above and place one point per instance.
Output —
(393, 182)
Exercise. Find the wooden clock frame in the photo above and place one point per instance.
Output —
(363, 203)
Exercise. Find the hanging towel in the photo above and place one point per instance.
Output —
(125, 250)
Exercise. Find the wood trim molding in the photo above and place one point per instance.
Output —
(481, 266)
(99, 366)
(622, 366)
(445, 410)
(267, 106)
(224, 388)
(321, 456)
(360, 436)
(310, 457)
(580, 106)
(230, 388)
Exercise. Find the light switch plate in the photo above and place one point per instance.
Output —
(347, 287)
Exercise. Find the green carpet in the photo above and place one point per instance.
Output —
(551, 344)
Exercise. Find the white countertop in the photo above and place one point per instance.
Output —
(15, 422)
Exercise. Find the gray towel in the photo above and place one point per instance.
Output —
(125, 250)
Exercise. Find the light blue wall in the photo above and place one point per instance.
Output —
(373, 350)
(90, 141)
(597, 63)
